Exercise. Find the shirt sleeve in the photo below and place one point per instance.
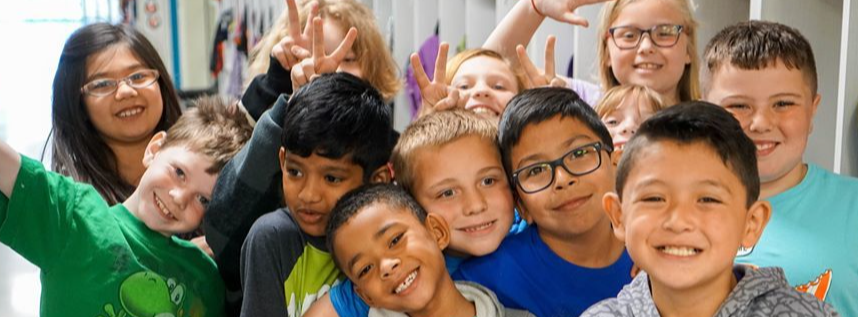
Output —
(37, 220)
(268, 256)
(264, 89)
(346, 301)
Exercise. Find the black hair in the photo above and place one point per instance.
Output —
(337, 115)
(358, 199)
(540, 104)
(79, 150)
(697, 122)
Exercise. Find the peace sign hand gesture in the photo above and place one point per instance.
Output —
(536, 77)
(317, 63)
(436, 95)
(282, 51)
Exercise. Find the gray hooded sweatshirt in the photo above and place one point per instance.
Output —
(760, 292)
(487, 304)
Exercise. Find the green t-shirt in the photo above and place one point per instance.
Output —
(98, 260)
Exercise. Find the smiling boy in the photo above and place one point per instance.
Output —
(398, 267)
(764, 73)
(686, 201)
(124, 259)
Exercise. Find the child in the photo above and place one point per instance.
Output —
(449, 161)
(666, 63)
(553, 147)
(272, 60)
(391, 249)
(622, 110)
(765, 74)
(686, 201)
(102, 128)
(123, 260)
(480, 80)
(336, 135)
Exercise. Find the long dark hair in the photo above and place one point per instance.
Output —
(78, 149)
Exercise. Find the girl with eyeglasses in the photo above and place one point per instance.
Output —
(651, 43)
(111, 94)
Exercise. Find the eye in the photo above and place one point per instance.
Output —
(333, 179)
(446, 193)
(652, 199)
(364, 271)
(395, 240)
(488, 181)
(611, 122)
(709, 200)
(99, 84)
(737, 106)
(203, 201)
(463, 86)
(180, 173)
(535, 171)
(294, 172)
(784, 104)
(499, 87)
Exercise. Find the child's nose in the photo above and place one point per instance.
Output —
(389, 266)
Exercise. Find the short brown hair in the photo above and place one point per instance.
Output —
(436, 129)
(755, 45)
(214, 127)
(615, 96)
(456, 62)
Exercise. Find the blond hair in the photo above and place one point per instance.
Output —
(688, 86)
(456, 62)
(213, 127)
(436, 129)
(371, 52)
(614, 97)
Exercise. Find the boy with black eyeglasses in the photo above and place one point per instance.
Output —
(557, 154)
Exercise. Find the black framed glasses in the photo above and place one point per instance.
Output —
(579, 161)
(105, 86)
(662, 35)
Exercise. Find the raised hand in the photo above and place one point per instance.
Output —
(564, 10)
(535, 76)
(436, 95)
(282, 51)
(318, 62)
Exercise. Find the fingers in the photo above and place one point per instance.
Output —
(345, 46)
(419, 74)
(450, 102)
(441, 64)
(294, 19)
(549, 57)
(302, 73)
(300, 53)
(318, 38)
(529, 69)
(283, 53)
(308, 28)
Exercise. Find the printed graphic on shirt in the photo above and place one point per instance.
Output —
(312, 276)
(743, 251)
(146, 293)
(818, 287)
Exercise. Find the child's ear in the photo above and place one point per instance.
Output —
(439, 229)
(153, 147)
(613, 207)
(383, 174)
(282, 156)
(813, 107)
(523, 211)
(755, 221)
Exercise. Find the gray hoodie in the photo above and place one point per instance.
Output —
(760, 292)
(487, 304)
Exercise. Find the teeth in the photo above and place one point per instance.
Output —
(679, 251)
(648, 66)
(480, 227)
(130, 112)
(163, 208)
(763, 147)
(405, 284)
(619, 147)
(483, 110)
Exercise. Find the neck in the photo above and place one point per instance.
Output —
(129, 159)
(670, 98)
(782, 184)
(698, 301)
(448, 301)
(596, 248)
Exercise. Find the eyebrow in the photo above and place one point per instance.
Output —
(708, 182)
(104, 74)
(535, 156)
(376, 236)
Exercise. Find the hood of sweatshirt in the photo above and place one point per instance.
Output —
(485, 302)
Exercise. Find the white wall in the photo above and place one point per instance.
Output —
(847, 101)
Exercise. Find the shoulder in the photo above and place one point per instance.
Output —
(274, 226)
(826, 178)
(607, 307)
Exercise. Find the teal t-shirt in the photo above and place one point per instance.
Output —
(98, 260)
(813, 236)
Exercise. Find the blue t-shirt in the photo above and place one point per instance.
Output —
(526, 274)
(813, 236)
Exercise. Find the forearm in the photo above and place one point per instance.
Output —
(10, 163)
(517, 27)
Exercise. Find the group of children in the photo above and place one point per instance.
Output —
(515, 193)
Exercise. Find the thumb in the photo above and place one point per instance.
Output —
(571, 18)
